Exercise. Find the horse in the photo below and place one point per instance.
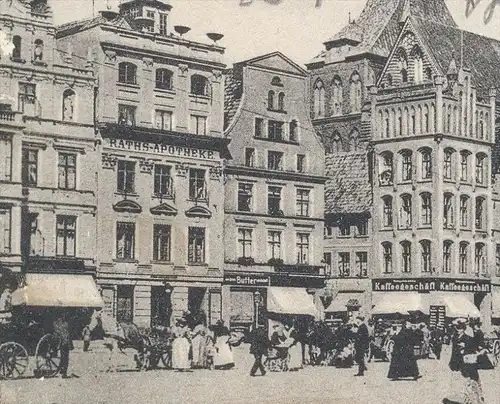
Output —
(120, 335)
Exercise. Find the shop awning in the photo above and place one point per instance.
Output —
(58, 290)
(459, 306)
(343, 300)
(290, 301)
(400, 303)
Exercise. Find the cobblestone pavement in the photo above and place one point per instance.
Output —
(308, 386)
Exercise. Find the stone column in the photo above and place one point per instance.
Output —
(182, 112)
(491, 125)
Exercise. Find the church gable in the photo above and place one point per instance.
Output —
(409, 62)
(277, 61)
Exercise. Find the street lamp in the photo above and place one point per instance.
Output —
(257, 304)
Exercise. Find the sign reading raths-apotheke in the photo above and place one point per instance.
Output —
(246, 280)
(431, 285)
(160, 148)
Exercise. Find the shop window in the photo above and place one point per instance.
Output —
(66, 171)
(29, 167)
(125, 240)
(447, 256)
(161, 242)
(387, 257)
(344, 264)
(245, 237)
(245, 196)
(197, 185)
(302, 248)
(126, 176)
(426, 261)
(302, 202)
(362, 264)
(127, 73)
(196, 245)
(406, 257)
(124, 304)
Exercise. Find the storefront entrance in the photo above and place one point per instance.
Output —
(161, 306)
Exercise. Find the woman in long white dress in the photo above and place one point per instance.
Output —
(223, 358)
(180, 347)
(295, 351)
(198, 345)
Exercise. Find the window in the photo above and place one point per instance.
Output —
(199, 124)
(448, 164)
(337, 143)
(448, 211)
(293, 131)
(16, 52)
(274, 244)
(199, 85)
(164, 79)
(124, 304)
(362, 227)
(150, 14)
(480, 259)
(337, 96)
(406, 257)
(344, 229)
(27, 98)
(126, 115)
(126, 176)
(163, 24)
(259, 127)
(426, 255)
(362, 264)
(197, 184)
(196, 245)
(274, 160)
(281, 101)
(387, 257)
(30, 167)
(275, 130)
(319, 99)
(68, 111)
(38, 51)
(327, 260)
(163, 120)
(426, 212)
(480, 213)
(270, 99)
(127, 73)
(386, 169)
(403, 65)
(464, 166)
(125, 240)
(464, 211)
(354, 140)
(447, 257)
(67, 171)
(249, 157)
(426, 164)
(344, 264)
(161, 242)
(355, 93)
(274, 201)
(163, 184)
(406, 212)
(302, 202)
(463, 257)
(301, 163)
(480, 169)
(387, 211)
(5, 158)
(245, 197)
(418, 66)
(328, 230)
(5, 229)
(245, 243)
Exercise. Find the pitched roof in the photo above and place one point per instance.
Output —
(348, 189)
(377, 27)
(82, 25)
(233, 91)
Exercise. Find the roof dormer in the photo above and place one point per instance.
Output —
(147, 15)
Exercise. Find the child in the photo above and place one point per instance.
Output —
(86, 338)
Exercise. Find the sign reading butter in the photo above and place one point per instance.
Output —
(431, 285)
(246, 280)
(161, 148)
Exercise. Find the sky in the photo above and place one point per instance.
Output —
(297, 28)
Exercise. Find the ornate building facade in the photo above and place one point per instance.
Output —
(159, 110)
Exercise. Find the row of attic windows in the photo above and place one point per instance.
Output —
(415, 62)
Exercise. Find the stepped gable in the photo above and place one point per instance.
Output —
(233, 91)
(348, 188)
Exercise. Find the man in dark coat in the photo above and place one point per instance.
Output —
(403, 361)
(63, 337)
(259, 345)
(361, 344)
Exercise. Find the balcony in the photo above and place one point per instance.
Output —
(10, 118)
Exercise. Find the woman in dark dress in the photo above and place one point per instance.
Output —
(403, 361)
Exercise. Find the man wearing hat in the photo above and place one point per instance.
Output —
(361, 345)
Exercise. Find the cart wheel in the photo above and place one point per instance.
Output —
(496, 349)
(48, 359)
(143, 354)
(388, 350)
(166, 359)
(14, 360)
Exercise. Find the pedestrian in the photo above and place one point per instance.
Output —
(223, 359)
(464, 345)
(361, 345)
(63, 338)
(86, 334)
(426, 339)
(180, 346)
(259, 344)
(437, 338)
(295, 350)
(403, 361)
(198, 341)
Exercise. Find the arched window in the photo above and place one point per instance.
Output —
(38, 51)
(389, 79)
(399, 122)
(199, 85)
(319, 99)
(387, 211)
(448, 211)
(480, 259)
(16, 52)
(386, 169)
(337, 96)
(68, 107)
(447, 255)
(355, 92)
(426, 158)
(387, 257)
(281, 101)
(428, 73)
(425, 118)
(412, 122)
(406, 165)
(276, 81)
(464, 211)
(293, 133)
(448, 167)
(127, 73)
(403, 65)
(164, 79)
(480, 213)
(354, 140)
(405, 213)
(480, 126)
(480, 169)
(426, 209)
(406, 257)
(336, 143)
(270, 99)
(426, 258)
(463, 259)
(418, 65)
(464, 165)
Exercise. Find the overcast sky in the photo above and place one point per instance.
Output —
(295, 27)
